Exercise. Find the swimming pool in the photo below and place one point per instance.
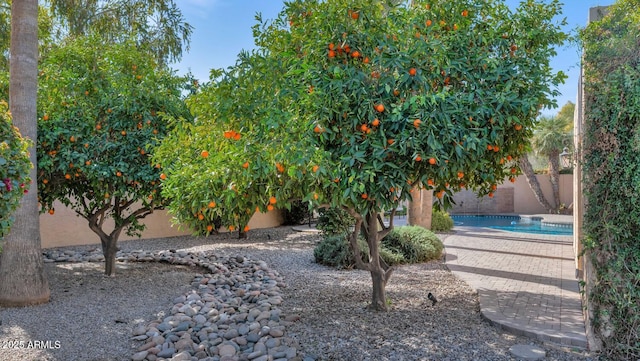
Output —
(513, 224)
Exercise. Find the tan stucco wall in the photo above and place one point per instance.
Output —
(514, 197)
(64, 228)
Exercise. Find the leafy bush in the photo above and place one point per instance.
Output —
(335, 221)
(403, 245)
(297, 214)
(14, 169)
(441, 221)
(416, 244)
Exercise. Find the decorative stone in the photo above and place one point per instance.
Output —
(527, 352)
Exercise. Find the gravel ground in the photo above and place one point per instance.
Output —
(90, 317)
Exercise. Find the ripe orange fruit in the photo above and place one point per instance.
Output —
(442, 23)
(212, 204)
(337, 180)
(317, 129)
(98, 126)
(513, 47)
(245, 165)
(490, 194)
(331, 46)
(200, 216)
(280, 167)
(428, 6)
(246, 228)
(432, 161)
(118, 174)
(514, 170)
(67, 176)
(315, 168)
(496, 148)
(237, 136)
(109, 110)
(86, 92)
(390, 141)
(138, 77)
(494, 187)
(315, 196)
(465, 13)
(163, 176)
(413, 71)
(430, 182)
(272, 200)
(204, 154)
(366, 60)
(364, 127)
(379, 108)
(52, 211)
(331, 54)
(354, 14)
(124, 132)
(270, 207)
(509, 158)
(460, 174)
(375, 122)
(416, 123)
(231, 228)
(355, 54)
(45, 181)
(364, 196)
(107, 195)
(375, 74)
(518, 127)
(512, 179)
(418, 158)
(428, 22)
(45, 117)
(396, 92)
(455, 27)
(209, 228)
(440, 194)
(489, 147)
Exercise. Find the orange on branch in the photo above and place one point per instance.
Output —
(204, 154)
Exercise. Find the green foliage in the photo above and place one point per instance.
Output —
(297, 214)
(441, 221)
(415, 244)
(14, 169)
(100, 117)
(403, 245)
(335, 221)
(611, 169)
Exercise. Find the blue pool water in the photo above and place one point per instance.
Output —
(512, 224)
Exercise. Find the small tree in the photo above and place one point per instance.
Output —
(549, 138)
(101, 117)
(354, 103)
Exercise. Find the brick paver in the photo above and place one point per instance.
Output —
(526, 282)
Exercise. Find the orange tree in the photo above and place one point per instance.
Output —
(245, 153)
(100, 117)
(14, 168)
(374, 97)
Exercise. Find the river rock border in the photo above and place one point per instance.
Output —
(230, 314)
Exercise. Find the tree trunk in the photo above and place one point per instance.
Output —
(527, 169)
(554, 177)
(22, 278)
(415, 207)
(377, 268)
(109, 250)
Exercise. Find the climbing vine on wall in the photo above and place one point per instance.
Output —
(612, 177)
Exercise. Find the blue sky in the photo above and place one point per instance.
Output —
(222, 28)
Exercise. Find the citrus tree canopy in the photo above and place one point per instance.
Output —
(383, 96)
(100, 117)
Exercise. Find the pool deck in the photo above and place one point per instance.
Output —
(525, 282)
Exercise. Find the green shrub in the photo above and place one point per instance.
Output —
(403, 245)
(441, 221)
(334, 221)
(334, 251)
(416, 244)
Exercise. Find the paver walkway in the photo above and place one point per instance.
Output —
(526, 282)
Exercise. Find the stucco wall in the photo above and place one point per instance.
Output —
(64, 228)
(514, 197)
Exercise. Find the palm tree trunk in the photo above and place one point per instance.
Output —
(554, 177)
(415, 207)
(527, 169)
(22, 278)
(420, 207)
